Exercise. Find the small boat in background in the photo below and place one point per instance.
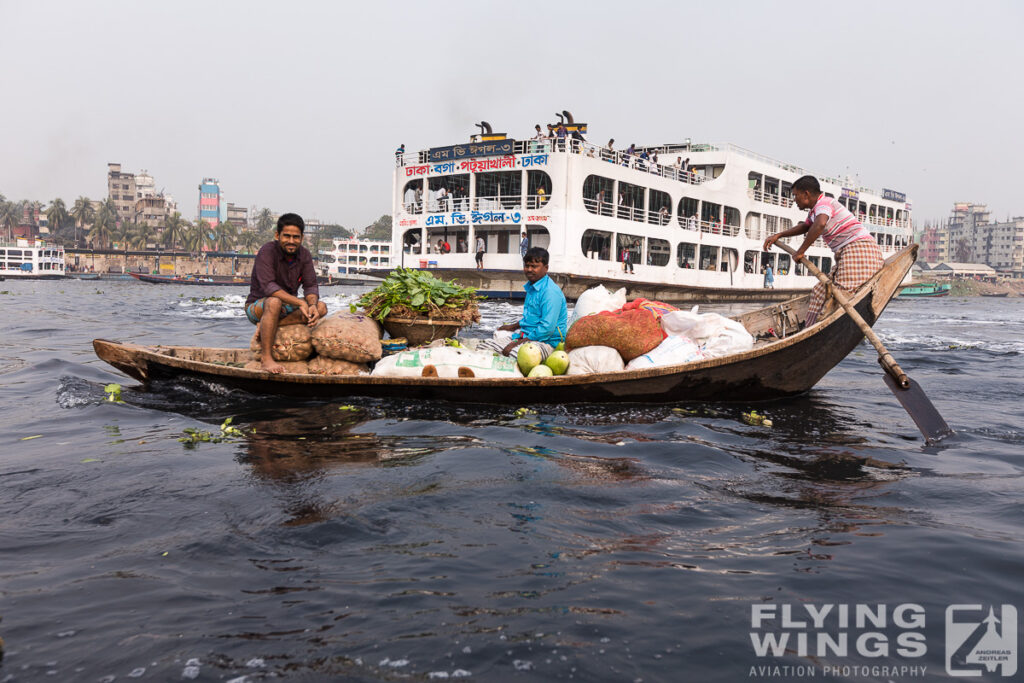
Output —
(996, 294)
(208, 280)
(926, 289)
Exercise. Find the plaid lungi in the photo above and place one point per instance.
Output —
(855, 264)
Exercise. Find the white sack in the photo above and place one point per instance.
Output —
(590, 359)
(673, 351)
(595, 300)
(447, 360)
(716, 334)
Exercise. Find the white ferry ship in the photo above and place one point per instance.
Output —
(28, 259)
(350, 259)
(691, 217)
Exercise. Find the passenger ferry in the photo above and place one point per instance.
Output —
(29, 259)
(350, 259)
(690, 217)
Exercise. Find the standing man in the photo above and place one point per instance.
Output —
(280, 268)
(857, 255)
(524, 245)
(769, 277)
(480, 248)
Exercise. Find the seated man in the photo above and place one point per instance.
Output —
(280, 267)
(545, 316)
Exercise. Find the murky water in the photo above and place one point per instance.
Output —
(393, 540)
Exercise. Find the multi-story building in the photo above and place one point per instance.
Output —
(153, 210)
(209, 201)
(238, 216)
(966, 236)
(934, 244)
(145, 186)
(121, 189)
(1005, 246)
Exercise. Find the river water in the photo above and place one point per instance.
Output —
(374, 540)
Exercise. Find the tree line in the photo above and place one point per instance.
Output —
(89, 224)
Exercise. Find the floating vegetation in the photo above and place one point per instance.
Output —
(113, 391)
(193, 437)
(523, 412)
(757, 420)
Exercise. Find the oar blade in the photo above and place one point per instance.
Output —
(920, 408)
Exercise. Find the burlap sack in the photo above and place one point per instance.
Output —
(296, 367)
(347, 336)
(632, 333)
(292, 343)
(321, 365)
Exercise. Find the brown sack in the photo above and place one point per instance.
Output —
(296, 367)
(632, 333)
(292, 343)
(321, 365)
(347, 336)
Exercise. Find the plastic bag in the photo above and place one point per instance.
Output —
(673, 351)
(446, 360)
(591, 359)
(595, 300)
(716, 334)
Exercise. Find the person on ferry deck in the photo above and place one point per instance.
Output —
(545, 314)
(481, 247)
(282, 266)
(524, 245)
(857, 255)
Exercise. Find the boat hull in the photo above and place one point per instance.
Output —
(172, 280)
(782, 368)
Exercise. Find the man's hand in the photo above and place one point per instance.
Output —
(510, 327)
(772, 239)
(508, 349)
(798, 257)
(312, 314)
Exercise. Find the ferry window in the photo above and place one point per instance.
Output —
(754, 226)
(731, 217)
(862, 208)
(754, 180)
(771, 186)
(750, 259)
(787, 192)
(631, 243)
(888, 214)
(412, 196)
(594, 200)
(730, 260)
(411, 242)
(661, 208)
(826, 264)
(498, 190)
(538, 189)
(596, 244)
(686, 255)
(771, 224)
(708, 257)
(631, 202)
(687, 213)
(710, 212)
(785, 223)
(768, 259)
(784, 263)
(658, 252)
(539, 237)
(716, 170)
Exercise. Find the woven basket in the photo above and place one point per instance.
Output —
(418, 331)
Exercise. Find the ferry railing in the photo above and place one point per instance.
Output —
(658, 218)
(601, 208)
(769, 198)
(536, 201)
(497, 203)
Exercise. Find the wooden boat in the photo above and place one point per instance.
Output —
(784, 362)
(924, 290)
(190, 280)
(996, 294)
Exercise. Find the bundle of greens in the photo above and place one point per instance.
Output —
(408, 293)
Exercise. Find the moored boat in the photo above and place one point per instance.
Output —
(923, 290)
(786, 361)
(29, 259)
(190, 279)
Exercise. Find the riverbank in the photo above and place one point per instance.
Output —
(1013, 288)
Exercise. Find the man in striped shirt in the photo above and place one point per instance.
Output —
(857, 255)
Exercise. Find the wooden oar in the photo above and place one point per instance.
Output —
(909, 393)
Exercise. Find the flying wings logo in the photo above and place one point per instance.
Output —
(977, 643)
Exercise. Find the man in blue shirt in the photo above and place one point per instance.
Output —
(545, 316)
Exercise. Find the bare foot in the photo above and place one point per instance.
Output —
(272, 366)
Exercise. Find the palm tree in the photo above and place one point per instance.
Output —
(56, 215)
(11, 215)
(264, 220)
(102, 227)
(123, 233)
(82, 213)
(197, 237)
(174, 231)
(224, 236)
(143, 235)
(250, 241)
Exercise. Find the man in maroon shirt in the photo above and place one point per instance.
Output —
(280, 268)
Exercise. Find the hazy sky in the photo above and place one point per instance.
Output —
(299, 105)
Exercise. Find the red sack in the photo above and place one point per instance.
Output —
(630, 332)
(656, 307)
